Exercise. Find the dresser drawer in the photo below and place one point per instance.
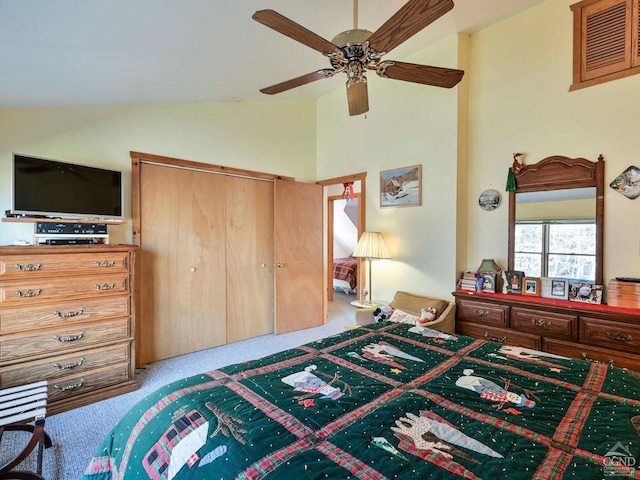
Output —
(480, 312)
(61, 365)
(62, 313)
(82, 383)
(592, 354)
(35, 265)
(68, 339)
(27, 292)
(502, 335)
(630, 288)
(623, 300)
(551, 324)
(624, 336)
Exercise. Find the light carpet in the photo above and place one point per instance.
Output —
(78, 433)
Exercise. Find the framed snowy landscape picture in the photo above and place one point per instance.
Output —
(401, 187)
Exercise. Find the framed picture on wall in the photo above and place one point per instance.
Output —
(401, 187)
(514, 282)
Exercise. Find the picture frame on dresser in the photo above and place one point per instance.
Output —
(531, 286)
(514, 282)
(559, 288)
(585, 292)
(489, 282)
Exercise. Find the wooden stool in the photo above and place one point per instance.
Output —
(17, 405)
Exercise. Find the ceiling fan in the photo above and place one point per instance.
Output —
(357, 51)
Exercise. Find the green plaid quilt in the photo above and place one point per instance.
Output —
(385, 401)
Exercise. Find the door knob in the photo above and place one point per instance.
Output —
(278, 265)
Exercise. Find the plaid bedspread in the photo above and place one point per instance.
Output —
(385, 401)
(346, 269)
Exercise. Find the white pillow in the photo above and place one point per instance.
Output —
(399, 316)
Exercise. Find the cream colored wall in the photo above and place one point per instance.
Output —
(272, 137)
(520, 74)
(407, 124)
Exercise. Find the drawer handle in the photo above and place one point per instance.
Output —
(619, 337)
(29, 293)
(540, 323)
(71, 338)
(73, 386)
(30, 267)
(586, 357)
(481, 313)
(105, 286)
(106, 263)
(69, 365)
(495, 339)
(69, 314)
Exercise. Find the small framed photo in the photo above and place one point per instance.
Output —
(531, 286)
(559, 288)
(585, 292)
(489, 283)
(514, 282)
(401, 187)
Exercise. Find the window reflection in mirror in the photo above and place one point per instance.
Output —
(555, 234)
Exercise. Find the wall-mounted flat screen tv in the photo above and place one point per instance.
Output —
(51, 188)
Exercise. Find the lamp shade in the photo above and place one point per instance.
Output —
(371, 245)
(488, 265)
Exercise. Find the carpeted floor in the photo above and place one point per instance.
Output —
(77, 434)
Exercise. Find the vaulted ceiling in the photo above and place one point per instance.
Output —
(96, 52)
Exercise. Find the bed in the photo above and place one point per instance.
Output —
(345, 274)
(385, 401)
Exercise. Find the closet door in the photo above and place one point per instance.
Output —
(183, 260)
(249, 207)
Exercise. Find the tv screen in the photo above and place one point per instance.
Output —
(52, 188)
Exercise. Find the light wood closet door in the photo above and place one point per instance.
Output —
(249, 258)
(183, 292)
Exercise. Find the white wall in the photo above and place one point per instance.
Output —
(345, 232)
(408, 124)
(272, 137)
(520, 74)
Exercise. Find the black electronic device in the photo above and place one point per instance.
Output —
(71, 228)
(69, 241)
(51, 188)
(628, 279)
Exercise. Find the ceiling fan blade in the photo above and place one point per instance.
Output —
(425, 74)
(291, 29)
(299, 81)
(406, 22)
(358, 97)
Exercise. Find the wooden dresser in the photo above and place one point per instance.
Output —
(67, 316)
(599, 333)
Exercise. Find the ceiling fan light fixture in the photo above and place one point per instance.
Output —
(355, 72)
(351, 37)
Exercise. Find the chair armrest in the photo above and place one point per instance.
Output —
(364, 316)
(446, 322)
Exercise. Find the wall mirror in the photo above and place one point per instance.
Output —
(556, 217)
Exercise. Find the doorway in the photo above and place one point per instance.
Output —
(336, 190)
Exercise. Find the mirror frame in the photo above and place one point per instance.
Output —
(561, 173)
